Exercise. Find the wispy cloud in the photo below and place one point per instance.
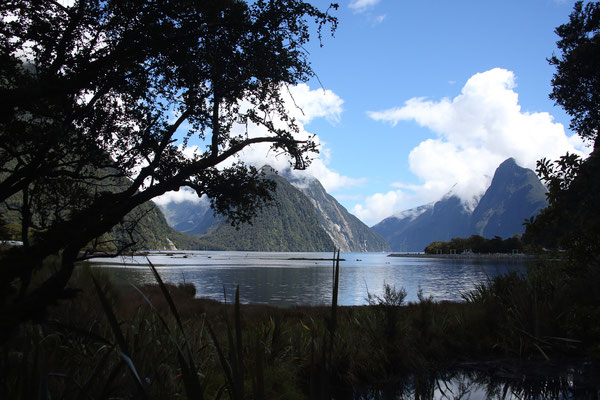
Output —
(380, 18)
(360, 6)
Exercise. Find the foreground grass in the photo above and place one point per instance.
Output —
(161, 342)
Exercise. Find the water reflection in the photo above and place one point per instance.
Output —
(286, 279)
(581, 382)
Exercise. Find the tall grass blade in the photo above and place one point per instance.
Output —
(166, 295)
(107, 385)
(220, 392)
(190, 375)
(234, 362)
(124, 349)
(222, 360)
(191, 382)
(239, 346)
(334, 302)
(83, 332)
(258, 380)
(43, 387)
(86, 387)
(160, 317)
(234, 368)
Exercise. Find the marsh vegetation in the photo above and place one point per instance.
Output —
(159, 341)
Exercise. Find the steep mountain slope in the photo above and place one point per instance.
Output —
(305, 213)
(191, 217)
(514, 195)
(153, 232)
(413, 229)
(347, 232)
(291, 225)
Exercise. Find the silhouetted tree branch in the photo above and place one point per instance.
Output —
(102, 94)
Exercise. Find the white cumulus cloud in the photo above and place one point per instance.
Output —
(180, 196)
(475, 132)
(304, 104)
(378, 206)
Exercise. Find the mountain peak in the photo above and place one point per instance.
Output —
(509, 162)
(509, 166)
(413, 212)
(514, 194)
(268, 170)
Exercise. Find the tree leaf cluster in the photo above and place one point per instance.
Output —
(576, 83)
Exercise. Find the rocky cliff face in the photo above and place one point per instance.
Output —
(514, 195)
(346, 231)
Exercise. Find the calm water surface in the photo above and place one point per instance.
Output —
(286, 279)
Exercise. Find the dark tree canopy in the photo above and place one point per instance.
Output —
(99, 96)
(576, 83)
(571, 221)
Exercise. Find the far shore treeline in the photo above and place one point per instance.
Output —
(478, 245)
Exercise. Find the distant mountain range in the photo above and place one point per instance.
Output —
(515, 194)
(305, 218)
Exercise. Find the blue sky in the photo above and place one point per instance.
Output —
(390, 51)
(417, 98)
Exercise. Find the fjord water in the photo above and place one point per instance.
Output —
(287, 279)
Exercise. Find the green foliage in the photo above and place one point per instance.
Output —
(576, 83)
(291, 224)
(388, 306)
(392, 297)
(476, 244)
(570, 223)
(564, 295)
(549, 311)
(144, 228)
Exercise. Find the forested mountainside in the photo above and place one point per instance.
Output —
(306, 218)
(291, 224)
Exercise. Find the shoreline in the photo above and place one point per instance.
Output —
(469, 256)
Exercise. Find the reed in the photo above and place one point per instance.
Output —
(125, 353)
(160, 342)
